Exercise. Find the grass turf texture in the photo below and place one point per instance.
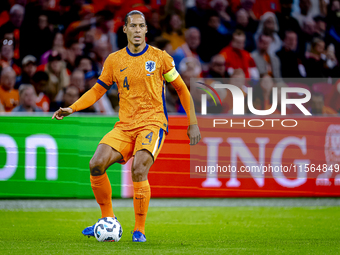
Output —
(178, 230)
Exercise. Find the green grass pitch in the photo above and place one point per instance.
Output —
(177, 230)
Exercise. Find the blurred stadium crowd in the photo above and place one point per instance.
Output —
(52, 51)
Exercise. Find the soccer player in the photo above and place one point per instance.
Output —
(139, 71)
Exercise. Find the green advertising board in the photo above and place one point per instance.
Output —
(40, 157)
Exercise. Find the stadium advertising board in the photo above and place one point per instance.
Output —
(244, 162)
(44, 158)
(41, 158)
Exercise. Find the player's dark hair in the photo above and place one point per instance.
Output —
(132, 13)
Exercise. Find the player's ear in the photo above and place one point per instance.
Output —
(124, 29)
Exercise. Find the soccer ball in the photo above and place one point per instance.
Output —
(108, 229)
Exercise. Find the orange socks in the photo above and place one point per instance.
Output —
(141, 199)
(103, 193)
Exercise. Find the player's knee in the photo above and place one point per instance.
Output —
(97, 167)
(139, 174)
(141, 165)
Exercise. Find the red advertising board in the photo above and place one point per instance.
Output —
(312, 148)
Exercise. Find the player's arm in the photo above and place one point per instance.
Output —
(188, 104)
(85, 101)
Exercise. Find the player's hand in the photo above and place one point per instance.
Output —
(61, 113)
(194, 134)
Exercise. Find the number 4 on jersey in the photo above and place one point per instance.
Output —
(126, 84)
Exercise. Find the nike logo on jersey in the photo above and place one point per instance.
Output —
(121, 70)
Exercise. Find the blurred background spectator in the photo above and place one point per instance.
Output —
(7, 56)
(189, 48)
(173, 30)
(217, 68)
(28, 99)
(85, 64)
(154, 27)
(11, 29)
(69, 95)
(77, 79)
(238, 79)
(285, 19)
(58, 76)
(269, 26)
(291, 62)
(320, 26)
(262, 94)
(307, 35)
(318, 106)
(196, 15)
(236, 57)
(220, 7)
(242, 23)
(40, 29)
(74, 49)
(57, 45)
(29, 67)
(164, 44)
(315, 59)
(212, 39)
(39, 81)
(266, 62)
(9, 96)
(305, 7)
(333, 98)
(333, 31)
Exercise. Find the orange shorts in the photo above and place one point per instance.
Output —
(128, 142)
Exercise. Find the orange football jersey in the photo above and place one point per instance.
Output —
(141, 88)
(9, 99)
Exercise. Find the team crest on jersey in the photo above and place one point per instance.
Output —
(150, 66)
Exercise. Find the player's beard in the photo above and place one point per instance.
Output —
(137, 44)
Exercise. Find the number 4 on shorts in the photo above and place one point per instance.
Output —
(149, 136)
